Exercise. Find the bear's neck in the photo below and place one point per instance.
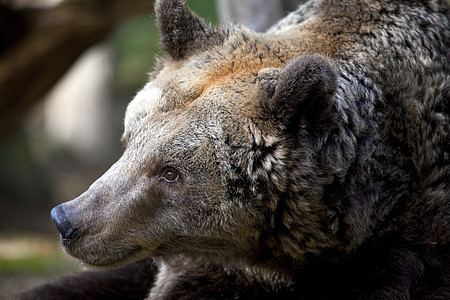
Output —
(337, 170)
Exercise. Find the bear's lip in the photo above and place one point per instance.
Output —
(112, 259)
(112, 263)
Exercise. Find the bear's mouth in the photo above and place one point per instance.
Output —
(103, 256)
(93, 247)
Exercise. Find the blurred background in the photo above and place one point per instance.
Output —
(67, 72)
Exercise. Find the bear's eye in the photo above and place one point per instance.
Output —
(170, 175)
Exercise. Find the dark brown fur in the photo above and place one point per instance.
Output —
(313, 161)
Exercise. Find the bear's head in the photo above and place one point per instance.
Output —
(217, 160)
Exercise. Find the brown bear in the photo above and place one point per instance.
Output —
(307, 162)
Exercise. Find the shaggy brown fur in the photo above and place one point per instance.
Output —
(308, 162)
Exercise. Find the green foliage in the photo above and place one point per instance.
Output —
(135, 44)
(205, 9)
(38, 265)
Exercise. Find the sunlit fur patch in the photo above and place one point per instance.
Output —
(179, 83)
(245, 53)
(147, 100)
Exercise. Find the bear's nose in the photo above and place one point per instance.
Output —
(62, 223)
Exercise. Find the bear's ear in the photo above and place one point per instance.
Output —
(183, 32)
(303, 89)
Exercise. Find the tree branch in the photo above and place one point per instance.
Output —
(38, 45)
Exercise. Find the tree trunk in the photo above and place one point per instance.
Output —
(38, 45)
(257, 15)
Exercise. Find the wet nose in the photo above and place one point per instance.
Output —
(62, 223)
